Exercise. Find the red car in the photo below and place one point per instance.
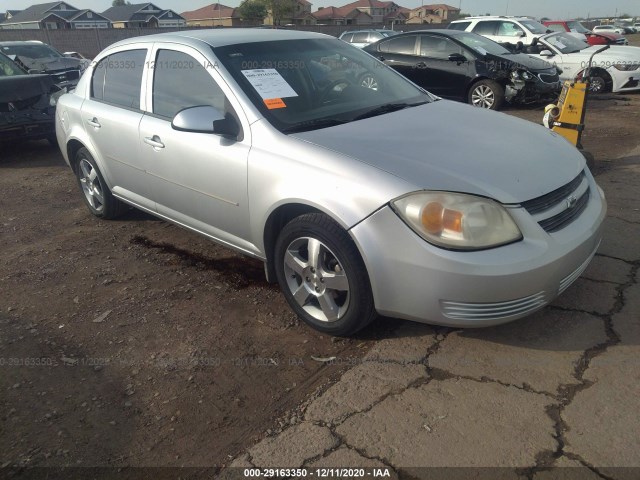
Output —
(574, 26)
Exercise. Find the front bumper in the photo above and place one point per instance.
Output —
(27, 125)
(414, 280)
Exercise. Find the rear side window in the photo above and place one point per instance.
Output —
(117, 79)
(462, 26)
(486, 28)
(405, 45)
(346, 37)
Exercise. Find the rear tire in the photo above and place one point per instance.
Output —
(95, 192)
(322, 275)
(486, 94)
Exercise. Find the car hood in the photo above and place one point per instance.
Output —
(520, 60)
(613, 53)
(49, 64)
(454, 147)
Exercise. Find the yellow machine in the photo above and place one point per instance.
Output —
(566, 117)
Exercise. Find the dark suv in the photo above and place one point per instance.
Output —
(468, 67)
(38, 57)
(27, 103)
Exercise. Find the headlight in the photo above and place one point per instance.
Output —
(53, 99)
(521, 74)
(457, 221)
(626, 67)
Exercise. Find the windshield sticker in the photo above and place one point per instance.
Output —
(274, 103)
(269, 83)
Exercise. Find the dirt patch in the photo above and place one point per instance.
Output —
(134, 342)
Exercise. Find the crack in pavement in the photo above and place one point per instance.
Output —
(567, 393)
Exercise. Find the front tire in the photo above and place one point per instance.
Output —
(322, 275)
(95, 192)
(486, 94)
(598, 84)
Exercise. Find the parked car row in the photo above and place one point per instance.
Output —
(361, 192)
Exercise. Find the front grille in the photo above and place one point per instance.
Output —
(554, 78)
(491, 311)
(559, 208)
(549, 200)
(557, 222)
(65, 76)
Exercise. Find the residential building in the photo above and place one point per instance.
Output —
(299, 15)
(214, 15)
(342, 16)
(364, 12)
(143, 15)
(53, 16)
(436, 13)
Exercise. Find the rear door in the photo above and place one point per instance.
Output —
(111, 117)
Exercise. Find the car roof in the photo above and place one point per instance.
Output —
(492, 17)
(222, 37)
(21, 42)
(438, 31)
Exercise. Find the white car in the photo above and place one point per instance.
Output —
(609, 29)
(503, 29)
(616, 69)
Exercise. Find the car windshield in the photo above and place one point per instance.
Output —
(8, 68)
(534, 27)
(577, 27)
(481, 44)
(308, 84)
(565, 43)
(31, 51)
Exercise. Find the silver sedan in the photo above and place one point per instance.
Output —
(362, 193)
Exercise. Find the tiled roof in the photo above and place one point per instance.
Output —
(34, 13)
(212, 11)
(123, 13)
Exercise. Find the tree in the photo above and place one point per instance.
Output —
(119, 3)
(280, 9)
(252, 11)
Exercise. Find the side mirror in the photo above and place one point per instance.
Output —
(523, 34)
(546, 53)
(457, 57)
(205, 119)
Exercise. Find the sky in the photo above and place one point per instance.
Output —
(556, 9)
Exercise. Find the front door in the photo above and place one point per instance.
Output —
(200, 180)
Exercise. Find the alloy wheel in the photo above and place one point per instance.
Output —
(91, 186)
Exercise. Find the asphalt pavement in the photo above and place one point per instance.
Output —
(530, 399)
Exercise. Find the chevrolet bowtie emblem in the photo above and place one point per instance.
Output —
(571, 202)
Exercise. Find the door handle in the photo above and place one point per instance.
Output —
(154, 141)
(94, 123)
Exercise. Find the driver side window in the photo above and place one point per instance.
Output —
(180, 82)
(509, 29)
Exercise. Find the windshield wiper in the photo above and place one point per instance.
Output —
(313, 125)
(387, 108)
